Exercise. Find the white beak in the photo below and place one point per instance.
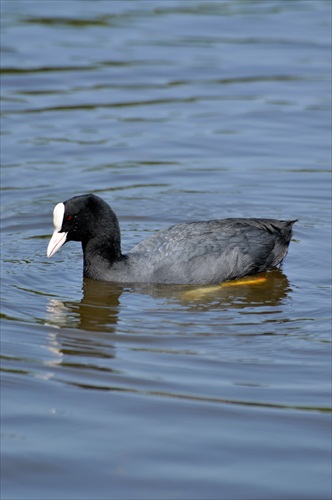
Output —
(56, 242)
(58, 239)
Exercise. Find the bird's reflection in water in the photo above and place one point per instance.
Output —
(86, 332)
(70, 339)
(98, 310)
(266, 289)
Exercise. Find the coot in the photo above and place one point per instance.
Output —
(188, 253)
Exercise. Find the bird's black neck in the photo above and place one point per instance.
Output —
(100, 254)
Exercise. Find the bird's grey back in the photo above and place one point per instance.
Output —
(210, 251)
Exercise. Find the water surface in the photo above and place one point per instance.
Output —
(171, 111)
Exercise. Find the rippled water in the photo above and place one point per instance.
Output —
(171, 111)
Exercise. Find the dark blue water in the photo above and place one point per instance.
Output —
(171, 111)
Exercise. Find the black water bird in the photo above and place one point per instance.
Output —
(187, 253)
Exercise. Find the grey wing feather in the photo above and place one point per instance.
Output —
(214, 251)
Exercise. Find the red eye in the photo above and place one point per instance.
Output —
(69, 217)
